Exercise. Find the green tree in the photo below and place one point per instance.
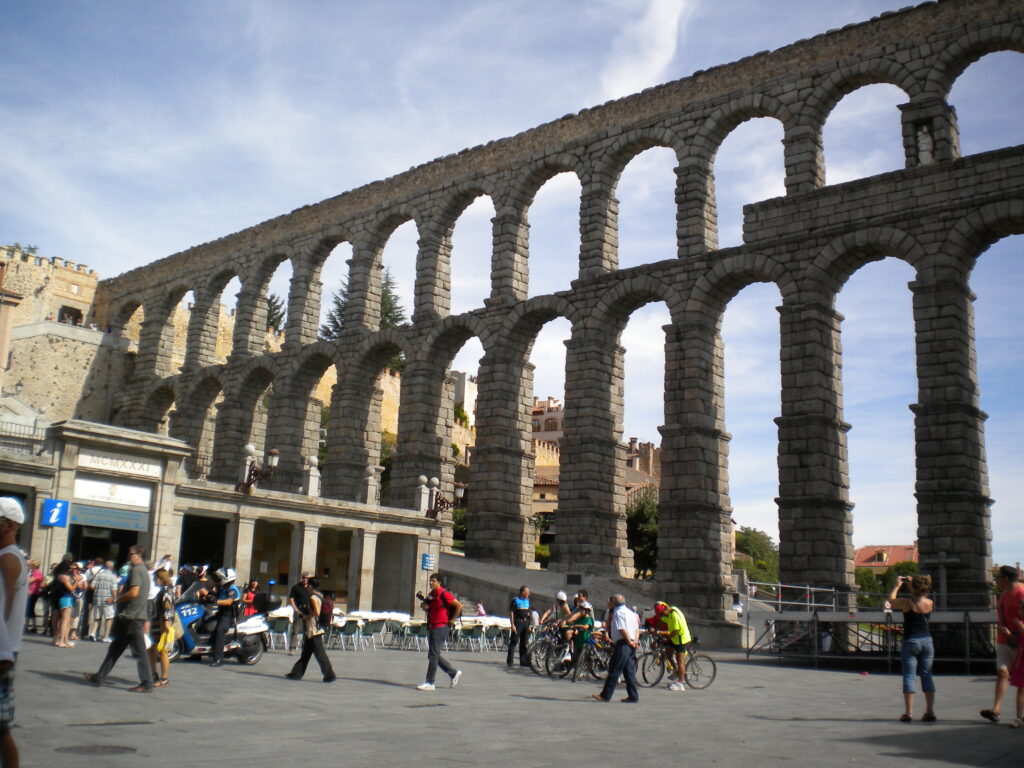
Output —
(642, 532)
(275, 312)
(763, 552)
(459, 528)
(869, 587)
(392, 315)
(902, 568)
(460, 414)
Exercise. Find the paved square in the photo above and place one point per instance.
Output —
(753, 715)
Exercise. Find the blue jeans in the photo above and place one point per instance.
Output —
(918, 654)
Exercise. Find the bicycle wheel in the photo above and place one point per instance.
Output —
(599, 662)
(556, 664)
(582, 662)
(537, 653)
(652, 669)
(700, 671)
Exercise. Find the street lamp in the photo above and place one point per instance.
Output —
(252, 472)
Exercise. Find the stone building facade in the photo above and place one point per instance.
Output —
(938, 214)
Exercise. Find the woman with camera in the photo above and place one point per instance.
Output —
(918, 652)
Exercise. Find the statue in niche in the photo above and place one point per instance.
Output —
(925, 145)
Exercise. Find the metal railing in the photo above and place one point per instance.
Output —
(22, 439)
(794, 597)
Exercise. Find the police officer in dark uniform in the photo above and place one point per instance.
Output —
(228, 596)
(519, 617)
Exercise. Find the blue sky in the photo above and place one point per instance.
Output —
(132, 131)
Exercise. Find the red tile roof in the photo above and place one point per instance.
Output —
(868, 557)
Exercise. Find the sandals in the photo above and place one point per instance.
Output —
(161, 683)
(906, 718)
(1017, 723)
(988, 714)
(929, 717)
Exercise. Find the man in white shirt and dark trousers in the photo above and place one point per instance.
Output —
(13, 593)
(624, 630)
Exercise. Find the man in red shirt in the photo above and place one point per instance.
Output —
(1010, 627)
(442, 610)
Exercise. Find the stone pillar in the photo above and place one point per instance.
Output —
(201, 338)
(815, 526)
(295, 553)
(155, 339)
(424, 433)
(310, 539)
(250, 321)
(304, 296)
(930, 131)
(498, 522)
(362, 563)
(245, 528)
(591, 521)
(954, 523)
(696, 214)
(599, 228)
(695, 532)
(433, 278)
(364, 287)
(509, 268)
(804, 156)
(353, 437)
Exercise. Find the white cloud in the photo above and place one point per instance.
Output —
(644, 49)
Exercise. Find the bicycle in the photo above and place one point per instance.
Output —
(539, 650)
(595, 658)
(700, 668)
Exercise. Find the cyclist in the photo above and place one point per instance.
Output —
(559, 611)
(672, 626)
(582, 628)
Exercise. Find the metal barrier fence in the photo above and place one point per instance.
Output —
(22, 439)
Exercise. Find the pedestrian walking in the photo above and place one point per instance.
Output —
(163, 612)
(104, 586)
(316, 620)
(129, 624)
(1009, 633)
(917, 650)
(442, 610)
(298, 600)
(624, 630)
(13, 597)
(35, 588)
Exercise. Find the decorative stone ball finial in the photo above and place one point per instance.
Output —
(435, 483)
(421, 480)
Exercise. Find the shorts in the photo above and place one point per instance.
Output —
(102, 611)
(679, 647)
(68, 601)
(7, 701)
(166, 641)
(1004, 656)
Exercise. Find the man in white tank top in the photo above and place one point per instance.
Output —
(13, 593)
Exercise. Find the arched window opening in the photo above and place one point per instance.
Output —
(470, 266)
(863, 134)
(334, 291)
(646, 192)
(998, 320)
(547, 355)
(399, 276)
(749, 167)
(464, 370)
(879, 383)
(226, 307)
(554, 217)
(750, 344)
(989, 100)
(276, 294)
(643, 411)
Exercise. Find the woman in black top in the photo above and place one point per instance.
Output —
(918, 652)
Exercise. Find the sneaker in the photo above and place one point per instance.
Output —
(108, 639)
(456, 677)
(675, 685)
(426, 687)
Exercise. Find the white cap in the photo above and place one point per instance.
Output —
(11, 509)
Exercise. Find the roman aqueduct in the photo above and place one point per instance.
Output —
(938, 215)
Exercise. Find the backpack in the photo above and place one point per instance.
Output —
(326, 616)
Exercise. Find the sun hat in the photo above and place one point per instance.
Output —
(11, 509)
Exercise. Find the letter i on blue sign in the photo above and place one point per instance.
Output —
(55, 513)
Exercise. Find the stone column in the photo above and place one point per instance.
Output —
(952, 475)
(201, 338)
(353, 437)
(695, 532)
(364, 287)
(599, 228)
(424, 430)
(310, 539)
(696, 213)
(245, 528)
(250, 321)
(155, 338)
(304, 297)
(509, 267)
(815, 525)
(591, 522)
(930, 131)
(433, 278)
(295, 552)
(498, 527)
(804, 155)
(362, 563)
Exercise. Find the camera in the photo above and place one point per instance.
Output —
(420, 597)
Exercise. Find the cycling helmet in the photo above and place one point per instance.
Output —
(585, 606)
(225, 575)
(561, 596)
(660, 608)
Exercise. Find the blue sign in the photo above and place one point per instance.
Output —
(55, 513)
(104, 517)
(426, 562)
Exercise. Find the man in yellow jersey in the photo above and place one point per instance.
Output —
(672, 625)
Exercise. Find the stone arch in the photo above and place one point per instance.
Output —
(251, 312)
(713, 290)
(201, 344)
(243, 417)
(707, 140)
(448, 336)
(155, 412)
(960, 54)
(848, 78)
(197, 419)
(537, 173)
(844, 255)
(972, 235)
(520, 328)
(618, 303)
(121, 316)
(613, 160)
(156, 340)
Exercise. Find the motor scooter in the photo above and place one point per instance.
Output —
(246, 639)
